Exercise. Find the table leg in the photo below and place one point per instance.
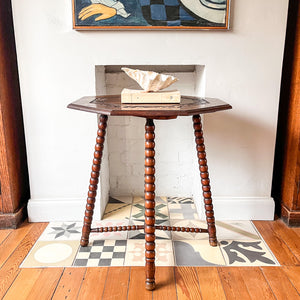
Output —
(205, 180)
(90, 202)
(150, 204)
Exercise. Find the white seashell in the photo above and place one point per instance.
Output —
(150, 81)
(117, 5)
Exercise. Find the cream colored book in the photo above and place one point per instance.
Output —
(140, 96)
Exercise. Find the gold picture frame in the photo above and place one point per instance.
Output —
(150, 14)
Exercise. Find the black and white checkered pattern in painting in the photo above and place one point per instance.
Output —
(101, 253)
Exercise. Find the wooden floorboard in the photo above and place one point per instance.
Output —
(4, 233)
(116, 286)
(187, 283)
(289, 236)
(165, 284)
(136, 288)
(181, 283)
(10, 269)
(210, 283)
(276, 243)
(280, 283)
(293, 273)
(12, 241)
(34, 284)
(69, 284)
(252, 276)
(93, 284)
(233, 283)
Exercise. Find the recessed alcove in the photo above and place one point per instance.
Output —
(176, 169)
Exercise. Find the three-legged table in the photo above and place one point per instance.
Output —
(110, 105)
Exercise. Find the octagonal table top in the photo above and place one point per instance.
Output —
(111, 105)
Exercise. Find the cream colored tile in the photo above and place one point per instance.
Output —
(197, 253)
(51, 253)
(106, 255)
(117, 211)
(247, 253)
(135, 255)
(117, 262)
(189, 235)
(236, 230)
(114, 235)
(92, 263)
(83, 255)
(138, 199)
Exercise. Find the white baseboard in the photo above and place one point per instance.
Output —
(240, 208)
(51, 210)
(255, 208)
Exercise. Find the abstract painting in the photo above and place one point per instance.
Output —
(151, 14)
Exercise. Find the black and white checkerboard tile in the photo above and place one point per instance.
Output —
(101, 253)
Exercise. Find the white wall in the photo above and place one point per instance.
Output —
(57, 66)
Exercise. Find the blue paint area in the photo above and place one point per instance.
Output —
(184, 15)
(158, 12)
(145, 2)
(172, 2)
(131, 6)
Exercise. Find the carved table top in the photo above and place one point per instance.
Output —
(111, 105)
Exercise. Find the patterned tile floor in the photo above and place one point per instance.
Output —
(239, 242)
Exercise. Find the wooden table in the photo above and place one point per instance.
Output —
(110, 105)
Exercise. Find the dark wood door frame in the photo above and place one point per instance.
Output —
(13, 162)
(286, 176)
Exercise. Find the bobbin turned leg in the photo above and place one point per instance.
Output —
(210, 219)
(149, 204)
(90, 202)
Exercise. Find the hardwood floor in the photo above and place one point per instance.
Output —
(172, 282)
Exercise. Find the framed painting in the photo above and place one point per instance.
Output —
(151, 14)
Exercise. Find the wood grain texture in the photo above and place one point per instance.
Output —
(136, 288)
(34, 284)
(10, 268)
(277, 245)
(289, 236)
(293, 273)
(69, 284)
(187, 284)
(117, 282)
(94, 179)
(13, 162)
(12, 241)
(205, 182)
(280, 283)
(46, 284)
(252, 276)
(165, 287)
(149, 204)
(233, 283)
(93, 283)
(296, 230)
(4, 234)
(210, 283)
(22, 285)
(290, 192)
